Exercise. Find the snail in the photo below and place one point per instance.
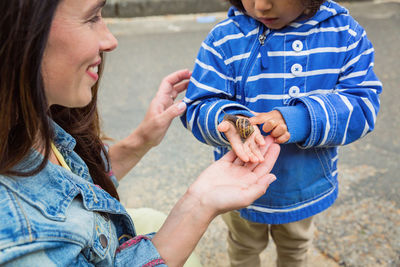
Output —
(242, 125)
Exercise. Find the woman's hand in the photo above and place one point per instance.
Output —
(227, 184)
(249, 150)
(230, 183)
(163, 109)
(125, 154)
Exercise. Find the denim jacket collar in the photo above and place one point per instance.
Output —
(63, 140)
(53, 189)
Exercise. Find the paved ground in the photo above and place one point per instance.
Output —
(141, 8)
(363, 226)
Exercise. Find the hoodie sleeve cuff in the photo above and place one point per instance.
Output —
(298, 122)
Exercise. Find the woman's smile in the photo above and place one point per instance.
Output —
(93, 70)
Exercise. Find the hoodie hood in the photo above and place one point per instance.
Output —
(327, 10)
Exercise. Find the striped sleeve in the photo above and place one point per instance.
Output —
(349, 112)
(211, 92)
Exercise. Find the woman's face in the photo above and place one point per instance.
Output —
(78, 35)
(275, 14)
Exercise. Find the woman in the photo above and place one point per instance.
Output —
(59, 202)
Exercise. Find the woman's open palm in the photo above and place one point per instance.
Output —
(231, 184)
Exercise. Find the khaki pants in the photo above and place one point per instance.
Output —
(246, 240)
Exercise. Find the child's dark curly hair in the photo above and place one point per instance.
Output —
(312, 6)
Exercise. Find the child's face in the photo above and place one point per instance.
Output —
(275, 14)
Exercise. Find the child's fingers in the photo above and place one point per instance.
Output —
(269, 126)
(263, 149)
(283, 138)
(268, 140)
(259, 119)
(279, 131)
(234, 139)
(241, 156)
(240, 152)
(249, 152)
(251, 165)
(258, 138)
(237, 146)
(255, 149)
(223, 126)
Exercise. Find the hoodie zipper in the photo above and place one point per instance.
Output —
(253, 55)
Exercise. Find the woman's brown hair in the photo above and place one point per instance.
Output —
(312, 6)
(24, 112)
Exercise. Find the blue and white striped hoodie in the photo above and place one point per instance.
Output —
(317, 72)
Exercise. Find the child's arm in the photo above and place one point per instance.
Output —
(211, 94)
(349, 111)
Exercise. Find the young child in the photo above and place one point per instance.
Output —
(305, 69)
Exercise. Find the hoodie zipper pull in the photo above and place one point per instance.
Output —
(262, 38)
(263, 49)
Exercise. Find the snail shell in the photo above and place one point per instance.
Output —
(242, 125)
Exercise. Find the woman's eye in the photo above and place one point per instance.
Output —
(95, 19)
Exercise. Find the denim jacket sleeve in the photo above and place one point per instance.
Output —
(138, 251)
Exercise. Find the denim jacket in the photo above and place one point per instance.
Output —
(61, 218)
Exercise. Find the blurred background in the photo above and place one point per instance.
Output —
(157, 37)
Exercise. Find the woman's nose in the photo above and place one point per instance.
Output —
(108, 42)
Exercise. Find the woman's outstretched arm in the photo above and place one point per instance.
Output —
(125, 154)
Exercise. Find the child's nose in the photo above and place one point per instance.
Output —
(262, 5)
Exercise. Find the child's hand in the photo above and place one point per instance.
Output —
(248, 150)
(274, 123)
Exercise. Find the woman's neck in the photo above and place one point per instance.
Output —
(39, 145)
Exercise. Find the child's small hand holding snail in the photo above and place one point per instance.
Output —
(242, 125)
(245, 139)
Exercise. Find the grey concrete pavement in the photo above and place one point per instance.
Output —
(141, 8)
(361, 229)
